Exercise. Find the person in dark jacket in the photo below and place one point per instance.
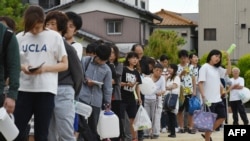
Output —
(10, 66)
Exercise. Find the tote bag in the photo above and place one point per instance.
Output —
(204, 120)
(170, 101)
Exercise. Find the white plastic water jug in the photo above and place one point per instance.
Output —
(7, 126)
(83, 109)
(108, 125)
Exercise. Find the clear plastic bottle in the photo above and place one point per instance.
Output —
(82, 109)
(231, 48)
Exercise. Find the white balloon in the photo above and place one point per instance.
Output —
(148, 86)
(244, 94)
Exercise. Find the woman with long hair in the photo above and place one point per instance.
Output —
(129, 86)
(173, 86)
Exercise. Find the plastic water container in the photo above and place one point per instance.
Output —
(82, 109)
(108, 125)
(7, 126)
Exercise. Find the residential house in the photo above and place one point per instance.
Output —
(223, 22)
(185, 27)
(123, 22)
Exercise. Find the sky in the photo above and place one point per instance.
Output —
(178, 6)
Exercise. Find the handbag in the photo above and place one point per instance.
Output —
(170, 101)
(204, 119)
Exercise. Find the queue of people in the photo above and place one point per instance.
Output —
(46, 76)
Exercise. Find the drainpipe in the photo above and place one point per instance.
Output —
(235, 28)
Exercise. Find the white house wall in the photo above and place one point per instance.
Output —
(226, 16)
(132, 2)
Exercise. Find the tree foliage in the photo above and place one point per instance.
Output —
(243, 64)
(164, 42)
(13, 9)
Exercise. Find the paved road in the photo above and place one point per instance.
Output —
(216, 136)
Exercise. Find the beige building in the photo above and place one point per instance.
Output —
(223, 22)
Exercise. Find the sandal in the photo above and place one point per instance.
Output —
(204, 137)
(135, 139)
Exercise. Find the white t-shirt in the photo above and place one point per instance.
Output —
(234, 93)
(78, 48)
(211, 77)
(48, 47)
(160, 86)
(187, 82)
(176, 81)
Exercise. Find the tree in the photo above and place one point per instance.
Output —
(14, 9)
(164, 42)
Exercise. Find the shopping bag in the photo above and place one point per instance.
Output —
(142, 120)
(204, 119)
(244, 94)
(194, 104)
(170, 101)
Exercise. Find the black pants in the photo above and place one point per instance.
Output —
(172, 122)
(88, 130)
(85, 133)
(41, 104)
(238, 107)
(116, 108)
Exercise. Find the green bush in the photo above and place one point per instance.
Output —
(164, 42)
(247, 78)
(243, 64)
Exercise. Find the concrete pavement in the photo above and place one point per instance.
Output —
(216, 135)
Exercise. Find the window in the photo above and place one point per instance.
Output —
(114, 27)
(136, 2)
(248, 35)
(210, 34)
(143, 6)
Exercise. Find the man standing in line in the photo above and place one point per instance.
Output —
(94, 94)
(144, 70)
(236, 104)
(74, 24)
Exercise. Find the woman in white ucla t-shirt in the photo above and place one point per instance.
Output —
(37, 88)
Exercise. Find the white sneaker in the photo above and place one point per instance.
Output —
(163, 130)
(176, 129)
